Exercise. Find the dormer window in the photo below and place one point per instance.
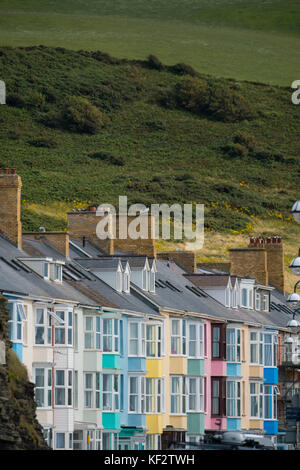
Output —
(57, 273)
(46, 270)
(234, 298)
(265, 303)
(247, 298)
(145, 280)
(119, 281)
(227, 297)
(257, 301)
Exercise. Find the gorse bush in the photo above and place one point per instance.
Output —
(108, 157)
(154, 63)
(78, 115)
(216, 100)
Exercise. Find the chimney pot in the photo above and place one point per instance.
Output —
(6, 171)
(268, 240)
(274, 239)
(13, 171)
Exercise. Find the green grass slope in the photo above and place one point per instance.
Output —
(248, 40)
(148, 146)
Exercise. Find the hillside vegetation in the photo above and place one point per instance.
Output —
(83, 127)
(249, 40)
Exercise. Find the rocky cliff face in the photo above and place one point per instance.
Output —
(19, 428)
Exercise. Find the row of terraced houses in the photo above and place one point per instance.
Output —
(133, 349)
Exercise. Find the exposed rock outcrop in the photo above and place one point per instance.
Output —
(19, 428)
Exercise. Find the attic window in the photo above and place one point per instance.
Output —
(145, 280)
(46, 270)
(57, 272)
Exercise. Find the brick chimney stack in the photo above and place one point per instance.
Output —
(261, 260)
(10, 205)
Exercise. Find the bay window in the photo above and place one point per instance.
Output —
(110, 335)
(92, 390)
(43, 387)
(195, 391)
(137, 345)
(110, 392)
(218, 396)
(63, 331)
(178, 395)
(154, 395)
(92, 332)
(42, 326)
(218, 332)
(178, 337)
(153, 340)
(233, 345)
(270, 401)
(195, 340)
(136, 392)
(17, 316)
(233, 398)
(270, 350)
(63, 387)
(256, 400)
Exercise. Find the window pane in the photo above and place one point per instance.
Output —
(60, 377)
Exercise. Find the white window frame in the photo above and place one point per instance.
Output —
(46, 275)
(234, 298)
(113, 334)
(236, 346)
(154, 344)
(257, 301)
(256, 396)
(94, 333)
(46, 387)
(180, 395)
(154, 395)
(199, 340)
(227, 297)
(66, 386)
(46, 326)
(138, 394)
(180, 337)
(233, 398)
(66, 324)
(265, 303)
(93, 392)
(197, 395)
(113, 393)
(17, 320)
(57, 272)
(140, 339)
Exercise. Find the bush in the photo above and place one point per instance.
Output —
(245, 139)
(268, 156)
(35, 99)
(154, 63)
(202, 97)
(236, 150)
(79, 115)
(108, 157)
(156, 125)
(183, 69)
(227, 105)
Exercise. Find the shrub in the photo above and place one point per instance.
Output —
(245, 139)
(154, 63)
(227, 105)
(183, 69)
(79, 115)
(108, 157)
(236, 150)
(35, 99)
(201, 97)
(268, 156)
(16, 100)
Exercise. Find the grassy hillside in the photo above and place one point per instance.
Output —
(249, 40)
(158, 140)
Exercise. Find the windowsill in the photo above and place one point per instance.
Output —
(178, 355)
(111, 352)
(178, 414)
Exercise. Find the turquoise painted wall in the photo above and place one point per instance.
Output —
(111, 420)
(234, 369)
(196, 367)
(111, 361)
(195, 423)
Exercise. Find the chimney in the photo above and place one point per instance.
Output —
(10, 206)
(262, 260)
(60, 240)
(82, 226)
(185, 259)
